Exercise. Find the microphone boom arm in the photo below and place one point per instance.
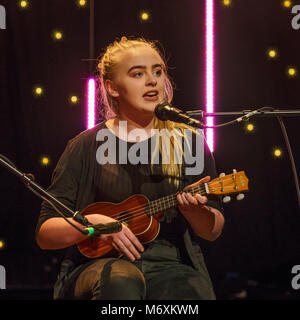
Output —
(262, 112)
(90, 229)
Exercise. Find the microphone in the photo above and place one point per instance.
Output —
(98, 229)
(164, 111)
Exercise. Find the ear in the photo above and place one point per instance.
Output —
(111, 89)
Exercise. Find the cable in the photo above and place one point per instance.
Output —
(7, 160)
(239, 119)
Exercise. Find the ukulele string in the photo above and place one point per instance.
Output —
(167, 203)
(140, 210)
(134, 212)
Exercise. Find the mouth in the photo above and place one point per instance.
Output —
(151, 95)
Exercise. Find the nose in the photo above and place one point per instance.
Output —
(151, 81)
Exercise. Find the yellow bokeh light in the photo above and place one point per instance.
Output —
(272, 53)
(145, 16)
(38, 91)
(277, 152)
(227, 3)
(287, 3)
(45, 161)
(82, 3)
(2, 244)
(23, 4)
(58, 35)
(292, 72)
(74, 99)
(250, 127)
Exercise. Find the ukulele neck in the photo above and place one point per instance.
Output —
(171, 201)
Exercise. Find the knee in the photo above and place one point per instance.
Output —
(123, 288)
(124, 282)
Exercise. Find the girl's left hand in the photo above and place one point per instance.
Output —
(189, 203)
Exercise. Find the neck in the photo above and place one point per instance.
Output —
(137, 121)
(146, 122)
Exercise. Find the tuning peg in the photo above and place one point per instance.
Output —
(226, 199)
(221, 175)
(234, 171)
(240, 196)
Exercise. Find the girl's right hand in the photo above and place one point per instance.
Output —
(123, 241)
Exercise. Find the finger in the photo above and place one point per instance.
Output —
(131, 236)
(184, 199)
(131, 248)
(191, 199)
(120, 242)
(201, 199)
(132, 245)
(179, 198)
(122, 247)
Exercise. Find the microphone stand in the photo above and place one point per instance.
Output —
(262, 112)
(90, 229)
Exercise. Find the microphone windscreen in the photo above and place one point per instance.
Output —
(162, 111)
(106, 228)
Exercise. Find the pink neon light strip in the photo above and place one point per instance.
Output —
(91, 104)
(209, 70)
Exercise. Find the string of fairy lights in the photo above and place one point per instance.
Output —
(144, 15)
(272, 53)
(59, 36)
(39, 90)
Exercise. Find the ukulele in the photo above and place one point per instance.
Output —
(141, 215)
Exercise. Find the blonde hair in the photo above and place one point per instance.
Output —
(109, 104)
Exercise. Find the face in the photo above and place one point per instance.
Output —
(138, 81)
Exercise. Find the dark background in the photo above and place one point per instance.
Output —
(261, 240)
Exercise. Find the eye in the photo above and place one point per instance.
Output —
(137, 74)
(157, 72)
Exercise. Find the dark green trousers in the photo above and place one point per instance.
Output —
(158, 275)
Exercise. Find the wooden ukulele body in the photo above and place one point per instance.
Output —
(141, 215)
(145, 227)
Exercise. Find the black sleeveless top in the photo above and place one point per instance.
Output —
(115, 182)
(81, 177)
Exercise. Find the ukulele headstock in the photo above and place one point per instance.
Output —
(234, 183)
